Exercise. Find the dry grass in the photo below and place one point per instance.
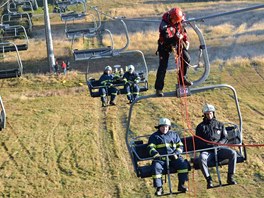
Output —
(59, 142)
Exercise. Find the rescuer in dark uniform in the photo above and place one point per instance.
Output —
(131, 79)
(106, 80)
(214, 131)
(173, 36)
(162, 142)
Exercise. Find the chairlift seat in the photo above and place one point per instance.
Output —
(72, 16)
(76, 33)
(10, 73)
(12, 48)
(140, 153)
(87, 54)
(94, 85)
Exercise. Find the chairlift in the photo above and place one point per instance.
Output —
(25, 5)
(74, 31)
(65, 5)
(16, 34)
(9, 58)
(2, 115)
(119, 63)
(16, 18)
(136, 139)
(108, 51)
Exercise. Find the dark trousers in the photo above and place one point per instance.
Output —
(132, 91)
(163, 65)
(159, 166)
(104, 91)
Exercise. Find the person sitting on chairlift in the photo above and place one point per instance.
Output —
(214, 131)
(131, 79)
(106, 81)
(162, 142)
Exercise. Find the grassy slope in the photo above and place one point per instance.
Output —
(60, 143)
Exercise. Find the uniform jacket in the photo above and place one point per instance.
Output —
(106, 79)
(211, 130)
(162, 144)
(128, 77)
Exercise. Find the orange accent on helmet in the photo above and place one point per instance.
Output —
(176, 14)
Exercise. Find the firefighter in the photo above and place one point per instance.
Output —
(214, 131)
(106, 81)
(162, 142)
(172, 36)
(131, 79)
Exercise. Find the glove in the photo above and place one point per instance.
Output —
(157, 156)
(175, 157)
(136, 81)
(179, 35)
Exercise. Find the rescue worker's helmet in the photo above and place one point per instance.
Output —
(176, 14)
(208, 108)
(108, 68)
(163, 122)
(131, 68)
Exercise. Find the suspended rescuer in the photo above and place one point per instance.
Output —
(214, 131)
(106, 81)
(172, 36)
(164, 142)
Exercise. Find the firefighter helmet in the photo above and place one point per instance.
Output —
(208, 108)
(176, 14)
(163, 122)
(108, 68)
(131, 68)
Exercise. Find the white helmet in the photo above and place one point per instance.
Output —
(208, 108)
(108, 68)
(131, 68)
(163, 122)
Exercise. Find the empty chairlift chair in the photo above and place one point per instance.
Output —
(81, 25)
(15, 18)
(9, 57)
(16, 34)
(108, 51)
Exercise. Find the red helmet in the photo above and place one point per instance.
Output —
(176, 14)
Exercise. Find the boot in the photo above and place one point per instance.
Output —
(186, 82)
(182, 188)
(159, 191)
(209, 182)
(159, 93)
(103, 104)
(112, 103)
(230, 179)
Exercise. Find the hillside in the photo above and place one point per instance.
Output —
(59, 142)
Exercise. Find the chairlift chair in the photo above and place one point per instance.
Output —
(136, 58)
(2, 115)
(16, 18)
(73, 32)
(136, 139)
(15, 34)
(25, 5)
(13, 57)
(108, 51)
(65, 5)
